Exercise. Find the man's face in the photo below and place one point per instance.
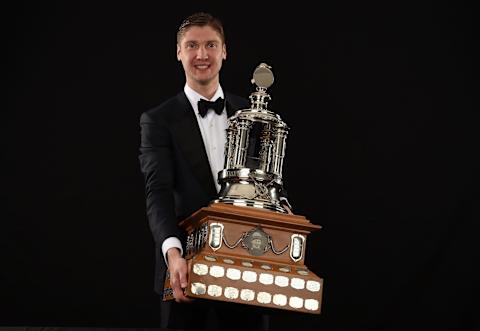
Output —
(201, 52)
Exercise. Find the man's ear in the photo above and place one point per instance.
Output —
(224, 55)
(178, 52)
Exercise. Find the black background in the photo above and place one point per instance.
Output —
(381, 153)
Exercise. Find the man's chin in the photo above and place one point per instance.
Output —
(205, 81)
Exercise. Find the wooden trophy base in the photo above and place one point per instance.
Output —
(250, 256)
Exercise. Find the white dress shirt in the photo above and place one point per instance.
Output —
(213, 129)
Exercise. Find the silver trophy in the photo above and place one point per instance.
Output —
(254, 151)
(253, 256)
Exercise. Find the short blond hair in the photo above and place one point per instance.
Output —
(200, 19)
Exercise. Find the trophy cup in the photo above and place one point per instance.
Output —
(246, 247)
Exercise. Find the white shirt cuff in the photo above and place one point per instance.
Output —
(168, 243)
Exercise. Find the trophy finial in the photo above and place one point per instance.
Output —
(263, 76)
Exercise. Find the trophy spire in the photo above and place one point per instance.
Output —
(263, 78)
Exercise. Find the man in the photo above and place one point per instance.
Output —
(182, 150)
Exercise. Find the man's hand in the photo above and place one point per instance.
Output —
(178, 269)
(286, 205)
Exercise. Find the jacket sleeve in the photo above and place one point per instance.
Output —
(157, 166)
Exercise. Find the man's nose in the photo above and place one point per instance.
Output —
(202, 53)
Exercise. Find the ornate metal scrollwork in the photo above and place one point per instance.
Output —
(256, 241)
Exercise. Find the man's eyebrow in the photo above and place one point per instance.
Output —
(198, 42)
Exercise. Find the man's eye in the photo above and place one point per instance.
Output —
(212, 45)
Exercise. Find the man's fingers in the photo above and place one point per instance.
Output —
(178, 287)
(175, 283)
(179, 278)
(179, 295)
(183, 280)
(183, 299)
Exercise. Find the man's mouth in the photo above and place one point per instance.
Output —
(202, 66)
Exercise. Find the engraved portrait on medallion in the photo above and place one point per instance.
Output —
(256, 241)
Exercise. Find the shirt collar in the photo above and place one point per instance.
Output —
(194, 96)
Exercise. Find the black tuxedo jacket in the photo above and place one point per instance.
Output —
(173, 159)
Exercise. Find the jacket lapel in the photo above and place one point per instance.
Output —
(186, 131)
(230, 105)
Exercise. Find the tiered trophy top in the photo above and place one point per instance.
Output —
(254, 152)
(263, 78)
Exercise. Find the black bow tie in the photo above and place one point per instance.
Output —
(205, 105)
